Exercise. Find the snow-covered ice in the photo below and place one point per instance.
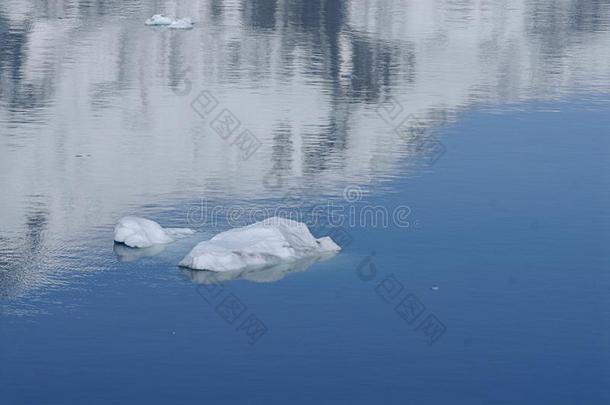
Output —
(173, 23)
(181, 24)
(159, 19)
(141, 232)
(263, 244)
(327, 245)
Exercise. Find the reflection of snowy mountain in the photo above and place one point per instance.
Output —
(305, 77)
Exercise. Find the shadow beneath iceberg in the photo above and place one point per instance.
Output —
(125, 253)
(264, 275)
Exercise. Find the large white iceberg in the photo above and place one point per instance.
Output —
(141, 232)
(263, 244)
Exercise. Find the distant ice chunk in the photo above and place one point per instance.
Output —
(181, 24)
(141, 232)
(173, 23)
(159, 19)
(263, 244)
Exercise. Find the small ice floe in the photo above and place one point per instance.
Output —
(435, 288)
(141, 232)
(181, 24)
(173, 23)
(271, 242)
(159, 19)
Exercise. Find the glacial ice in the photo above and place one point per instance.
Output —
(263, 244)
(141, 232)
(181, 24)
(159, 19)
(178, 24)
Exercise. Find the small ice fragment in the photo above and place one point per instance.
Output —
(326, 244)
(141, 232)
(181, 24)
(159, 19)
(267, 243)
(178, 233)
(435, 288)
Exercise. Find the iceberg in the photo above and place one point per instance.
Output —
(177, 24)
(270, 242)
(159, 19)
(139, 232)
(181, 24)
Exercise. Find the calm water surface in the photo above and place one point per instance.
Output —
(485, 122)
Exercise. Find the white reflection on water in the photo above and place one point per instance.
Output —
(95, 113)
(267, 275)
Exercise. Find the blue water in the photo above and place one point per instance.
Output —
(505, 248)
